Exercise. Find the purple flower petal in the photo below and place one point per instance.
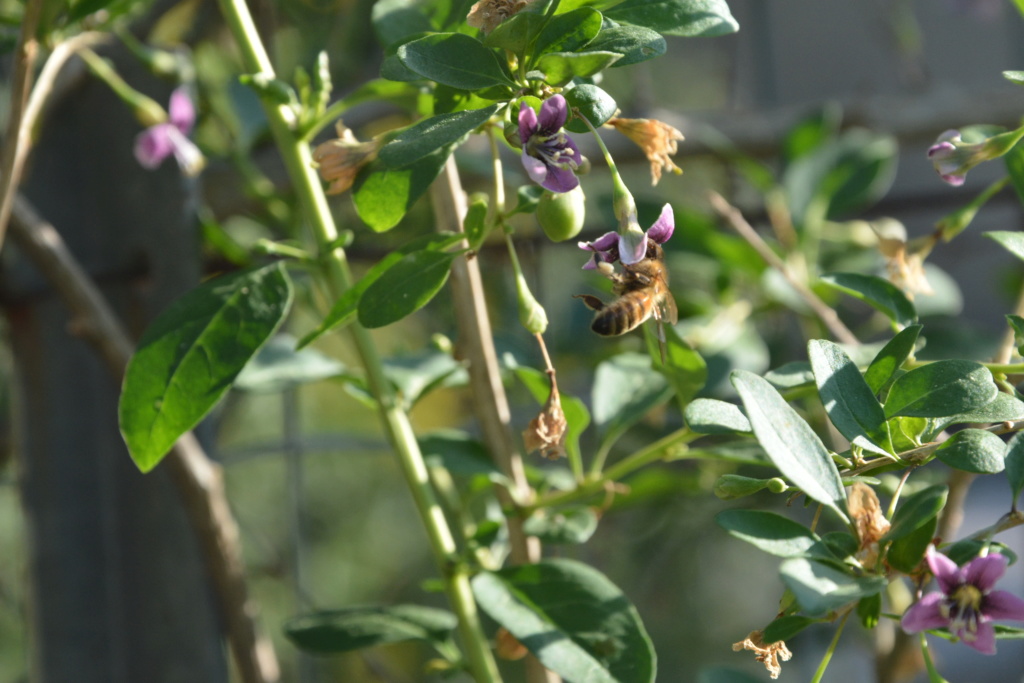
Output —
(632, 247)
(553, 113)
(983, 572)
(181, 112)
(535, 168)
(925, 614)
(999, 605)
(983, 640)
(558, 179)
(154, 144)
(602, 243)
(527, 123)
(945, 570)
(663, 228)
(953, 179)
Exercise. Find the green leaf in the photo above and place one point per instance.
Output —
(790, 442)
(416, 376)
(686, 18)
(454, 59)
(1014, 77)
(338, 631)
(475, 222)
(1014, 461)
(786, 627)
(1017, 324)
(876, 292)
(404, 288)
(593, 103)
(460, 454)
(966, 550)
(887, 363)
(625, 388)
(791, 375)
(973, 450)
(572, 618)
(635, 43)
(945, 387)
(869, 610)
(1012, 241)
(344, 309)
(820, 588)
(849, 401)
(568, 32)
(710, 416)
(398, 20)
(432, 135)
(561, 67)
(577, 417)
(812, 132)
(684, 368)
(1004, 408)
(916, 511)
(383, 195)
(515, 33)
(906, 553)
(770, 532)
(279, 365)
(575, 525)
(189, 357)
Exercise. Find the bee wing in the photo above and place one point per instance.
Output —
(667, 310)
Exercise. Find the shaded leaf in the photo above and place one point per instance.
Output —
(876, 292)
(561, 67)
(278, 365)
(906, 553)
(888, 361)
(917, 510)
(431, 135)
(849, 401)
(767, 531)
(404, 288)
(1014, 461)
(593, 103)
(942, 388)
(1004, 408)
(337, 631)
(568, 32)
(820, 588)
(575, 525)
(625, 388)
(416, 376)
(973, 450)
(635, 43)
(786, 627)
(458, 453)
(684, 368)
(454, 59)
(1011, 240)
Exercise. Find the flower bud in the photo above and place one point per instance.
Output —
(531, 313)
(561, 214)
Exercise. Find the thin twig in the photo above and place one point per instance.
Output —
(198, 479)
(823, 311)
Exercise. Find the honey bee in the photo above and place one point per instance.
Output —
(642, 291)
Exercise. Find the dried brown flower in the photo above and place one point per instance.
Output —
(769, 654)
(546, 432)
(487, 14)
(339, 160)
(869, 519)
(657, 139)
(904, 260)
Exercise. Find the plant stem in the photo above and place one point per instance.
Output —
(299, 163)
(820, 673)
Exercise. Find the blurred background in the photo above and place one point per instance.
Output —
(325, 515)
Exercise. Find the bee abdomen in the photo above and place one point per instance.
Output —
(620, 316)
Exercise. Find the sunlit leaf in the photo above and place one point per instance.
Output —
(820, 588)
(942, 388)
(677, 17)
(973, 450)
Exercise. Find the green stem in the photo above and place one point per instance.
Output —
(933, 674)
(820, 673)
(299, 163)
(146, 109)
(651, 453)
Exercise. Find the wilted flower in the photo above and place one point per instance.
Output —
(904, 260)
(768, 654)
(487, 14)
(163, 139)
(339, 160)
(549, 155)
(966, 603)
(867, 515)
(657, 139)
(628, 248)
(953, 158)
(546, 432)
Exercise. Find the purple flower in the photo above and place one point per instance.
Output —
(161, 140)
(549, 155)
(966, 604)
(630, 247)
(953, 158)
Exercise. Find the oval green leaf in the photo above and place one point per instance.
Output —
(906, 553)
(973, 450)
(635, 43)
(593, 103)
(338, 631)
(711, 416)
(431, 135)
(382, 195)
(561, 67)
(1011, 240)
(790, 442)
(404, 288)
(888, 361)
(916, 511)
(820, 588)
(1004, 408)
(568, 32)
(686, 18)
(770, 532)
(454, 59)
(189, 357)
(625, 388)
(942, 388)
(786, 627)
(572, 618)
(877, 293)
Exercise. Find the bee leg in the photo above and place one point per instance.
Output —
(591, 302)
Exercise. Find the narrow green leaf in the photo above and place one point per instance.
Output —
(848, 400)
(686, 18)
(591, 102)
(790, 442)
(625, 388)
(454, 59)
(344, 309)
(382, 195)
(1014, 460)
(404, 288)
(1014, 77)
(1004, 408)
(338, 631)
(1012, 241)
(572, 618)
(569, 32)
(475, 222)
(884, 367)
(916, 511)
(820, 588)
(945, 387)
(973, 450)
(767, 531)
(710, 416)
(1017, 324)
(786, 627)
(876, 292)
(684, 368)
(906, 552)
(561, 67)
(635, 43)
(189, 357)
(431, 135)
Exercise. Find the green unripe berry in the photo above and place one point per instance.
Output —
(561, 214)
